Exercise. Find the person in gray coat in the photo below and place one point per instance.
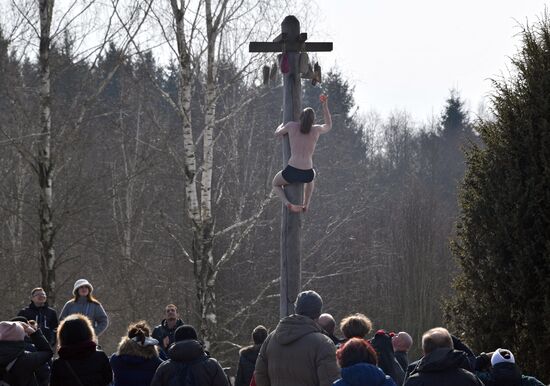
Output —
(84, 303)
(298, 353)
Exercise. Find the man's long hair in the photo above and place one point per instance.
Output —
(306, 120)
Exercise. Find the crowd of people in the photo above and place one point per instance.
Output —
(302, 350)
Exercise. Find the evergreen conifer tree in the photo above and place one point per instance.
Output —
(503, 244)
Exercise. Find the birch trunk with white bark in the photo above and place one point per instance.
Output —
(45, 166)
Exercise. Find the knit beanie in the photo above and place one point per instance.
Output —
(185, 332)
(12, 332)
(81, 283)
(501, 356)
(309, 303)
(259, 334)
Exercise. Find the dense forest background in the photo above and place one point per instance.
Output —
(376, 239)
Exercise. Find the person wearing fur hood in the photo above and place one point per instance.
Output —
(137, 358)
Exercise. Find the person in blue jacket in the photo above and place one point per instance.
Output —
(358, 359)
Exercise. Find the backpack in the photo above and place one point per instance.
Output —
(184, 373)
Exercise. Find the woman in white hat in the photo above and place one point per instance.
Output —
(84, 303)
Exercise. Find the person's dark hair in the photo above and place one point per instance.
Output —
(139, 330)
(259, 334)
(74, 329)
(306, 120)
(436, 338)
(185, 332)
(355, 326)
(356, 350)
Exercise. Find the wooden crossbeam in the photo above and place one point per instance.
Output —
(294, 46)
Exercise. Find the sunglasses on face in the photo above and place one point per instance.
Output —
(39, 294)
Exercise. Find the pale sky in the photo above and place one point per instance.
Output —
(408, 54)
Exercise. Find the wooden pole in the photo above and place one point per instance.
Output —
(291, 42)
(291, 225)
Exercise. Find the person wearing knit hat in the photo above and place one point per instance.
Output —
(185, 332)
(309, 303)
(12, 332)
(248, 356)
(504, 371)
(83, 302)
(298, 352)
(45, 316)
(502, 355)
(188, 360)
(20, 365)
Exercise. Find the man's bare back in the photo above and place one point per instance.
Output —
(302, 145)
(302, 137)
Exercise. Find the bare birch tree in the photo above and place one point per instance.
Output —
(197, 46)
(44, 155)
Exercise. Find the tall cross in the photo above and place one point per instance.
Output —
(290, 42)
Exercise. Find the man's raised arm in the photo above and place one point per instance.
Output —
(326, 114)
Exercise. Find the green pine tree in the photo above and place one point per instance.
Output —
(503, 242)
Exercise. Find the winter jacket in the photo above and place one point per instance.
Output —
(247, 362)
(45, 317)
(364, 374)
(443, 366)
(507, 374)
(386, 357)
(162, 331)
(205, 370)
(42, 374)
(94, 311)
(402, 358)
(133, 364)
(466, 360)
(82, 361)
(459, 345)
(297, 353)
(26, 363)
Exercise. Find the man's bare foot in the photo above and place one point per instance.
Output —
(305, 207)
(294, 208)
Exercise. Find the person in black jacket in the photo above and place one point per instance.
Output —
(499, 368)
(17, 366)
(45, 317)
(382, 343)
(189, 360)
(79, 362)
(402, 343)
(441, 364)
(327, 322)
(165, 331)
(248, 356)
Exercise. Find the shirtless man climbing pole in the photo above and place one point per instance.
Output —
(303, 136)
